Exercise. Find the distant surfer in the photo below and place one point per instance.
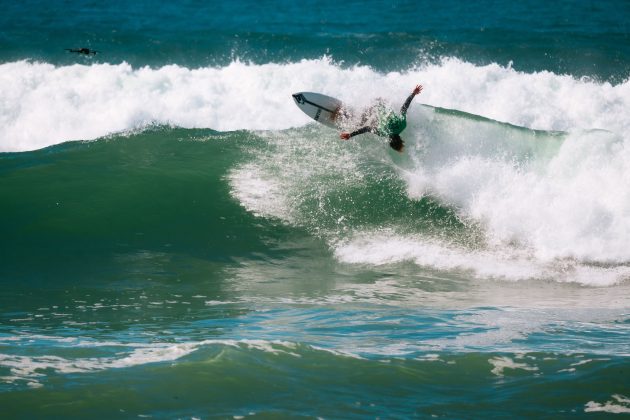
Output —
(84, 51)
(383, 121)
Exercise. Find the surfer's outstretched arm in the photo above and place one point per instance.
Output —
(345, 135)
(405, 107)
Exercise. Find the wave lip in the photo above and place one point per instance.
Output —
(44, 104)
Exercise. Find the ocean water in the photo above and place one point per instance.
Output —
(178, 240)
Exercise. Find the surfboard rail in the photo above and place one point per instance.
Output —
(321, 108)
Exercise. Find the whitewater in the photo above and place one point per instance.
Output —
(44, 104)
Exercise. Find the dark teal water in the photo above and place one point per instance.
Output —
(177, 240)
(576, 37)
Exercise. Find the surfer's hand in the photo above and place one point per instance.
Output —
(344, 136)
(417, 90)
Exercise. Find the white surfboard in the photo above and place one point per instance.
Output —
(321, 108)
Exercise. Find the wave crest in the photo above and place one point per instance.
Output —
(45, 104)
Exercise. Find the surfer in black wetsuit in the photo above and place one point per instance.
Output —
(84, 51)
(384, 122)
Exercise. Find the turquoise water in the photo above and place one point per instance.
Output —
(180, 241)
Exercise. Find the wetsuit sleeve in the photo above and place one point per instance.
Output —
(405, 106)
(363, 130)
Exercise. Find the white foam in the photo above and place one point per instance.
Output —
(42, 104)
(30, 368)
(578, 206)
(501, 262)
(502, 363)
(260, 193)
(573, 204)
(618, 405)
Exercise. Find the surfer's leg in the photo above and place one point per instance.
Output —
(365, 115)
(368, 115)
(340, 114)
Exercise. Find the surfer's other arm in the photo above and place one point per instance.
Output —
(405, 107)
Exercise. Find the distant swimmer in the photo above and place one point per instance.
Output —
(383, 121)
(84, 51)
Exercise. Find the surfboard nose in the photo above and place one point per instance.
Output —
(299, 98)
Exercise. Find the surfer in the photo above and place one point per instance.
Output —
(383, 121)
(84, 51)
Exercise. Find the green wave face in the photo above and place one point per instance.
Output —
(220, 196)
(83, 204)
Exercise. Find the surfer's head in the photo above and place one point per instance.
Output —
(396, 143)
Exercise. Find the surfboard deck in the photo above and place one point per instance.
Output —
(321, 108)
